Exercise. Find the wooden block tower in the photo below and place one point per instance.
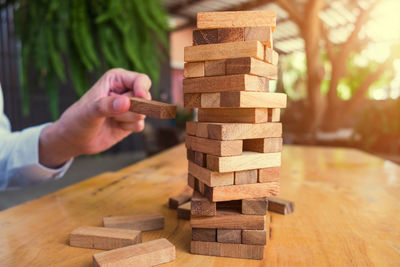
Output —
(234, 149)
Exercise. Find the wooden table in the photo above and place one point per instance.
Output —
(347, 212)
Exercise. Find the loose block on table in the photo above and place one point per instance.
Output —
(279, 205)
(214, 147)
(263, 145)
(153, 109)
(150, 253)
(143, 222)
(244, 251)
(202, 206)
(233, 115)
(193, 69)
(210, 178)
(204, 234)
(183, 211)
(250, 65)
(229, 236)
(181, 198)
(103, 238)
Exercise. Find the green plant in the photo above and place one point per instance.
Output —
(80, 37)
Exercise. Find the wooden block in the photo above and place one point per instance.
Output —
(244, 191)
(255, 206)
(228, 219)
(243, 251)
(234, 115)
(184, 211)
(150, 253)
(103, 238)
(191, 101)
(271, 56)
(230, 205)
(254, 237)
(253, 66)
(229, 236)
(227, 35)
(253, 100)
(224, 50)
(191, 127)
(246, 177)
(210, 100)
(201, 206)
(214, 147)
(279, 205)
(235, 19)
(142, 222)
(200, 159)
(263, 34)
(181, 198)
(263, 145)
(191, 181)
(201, 37)
(200, 186)
(274, 115)
(193, 69)
(190, 154)
(199, 234)
(153, 109)
(215, 67)
(239, 82)
(266, 175)
(247, 161)
(210, 178)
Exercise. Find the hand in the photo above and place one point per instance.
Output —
(100, 119)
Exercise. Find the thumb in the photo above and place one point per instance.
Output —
(111, 106)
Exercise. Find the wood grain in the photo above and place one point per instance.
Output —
(181, 198)
(200, 159)
(244, 251)
(193, 69)
(254, 237)
(255, 206)
(183, 211)
(210, 100)
(271, 56)
(153, 109)
(263, 145)
(209, 235)
(274, 115)
(253, 99)
(201, 206)
(191, 101)
(210, 178)
(215, 67)
(201, 37)
(229, 19)
(270, 174)
(229, 236)
(280, 206)
(142, 222)
(191, 127)
(263, 34)
(214, 147)
(246, 177)
(233, 115)
(253, 66)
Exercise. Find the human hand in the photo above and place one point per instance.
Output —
(97, 121)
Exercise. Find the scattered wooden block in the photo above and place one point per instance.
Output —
(150, 253)
(238, 82)
(247, 161)
(235, 19)
(263, 34)
(253, 100)
(200, 158)
(209, 235)
(263, 145)
(253, 66)
(193, 69)
(201, 206)
(271, 56)
(184, 211)
(243, 191)
(191, 101)
(210, 178)
(274, 115)
(255, 206)
(214, 147)
(229, 236)
(246, 177)
(280, 206)
(191, 181)
(153, 109)
(244, 251)
(142, 222)
(266, 175)
(181, 198)
(254, 237)
(224, 51)
(215, 67)
(103, 238)
(228, 219)
(233, 115)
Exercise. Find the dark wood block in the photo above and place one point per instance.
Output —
(201, 37)
(203, 234)
(279, 205)
(201, 206)
(229, 236)
(257, 206)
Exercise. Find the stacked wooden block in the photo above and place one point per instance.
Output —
(234, 149)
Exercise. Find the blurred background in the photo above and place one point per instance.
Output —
(339, 64)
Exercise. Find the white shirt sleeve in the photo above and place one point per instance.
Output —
(19, 156)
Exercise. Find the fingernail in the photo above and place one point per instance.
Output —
(118, 105)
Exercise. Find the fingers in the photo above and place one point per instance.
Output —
(129, 117)
(141, 87)
(109, 106)
(132, 127)
(121, 81)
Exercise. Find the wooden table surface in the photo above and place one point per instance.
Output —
(347, 212)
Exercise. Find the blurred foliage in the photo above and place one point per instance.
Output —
(294, 76)
(182, 116)
(80, 37)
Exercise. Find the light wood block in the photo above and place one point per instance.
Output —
(183, 211)
(253, 66)
(181, 198)
(244, 191)
(246, 177)
(103, 238)
(247, 161)
(208, 235)
(224, 51)
(200, 158)
(243, 251)
(229, 236)
(255, 206)
(263, 145)
(210, 100)
(210, 178)
(280, 206)
(191, 101)
(214, 147)
(142, 222)
(274, 115)
(254, 237)
(150, 253)
(271, 56)
(263, 34)
(215, 67)
(253, 100)
(238, 82)
(201, 206)
(233, 115)
(153, 109)
(235, 19)
(193, 69)
(228, 219)
(266, 175)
